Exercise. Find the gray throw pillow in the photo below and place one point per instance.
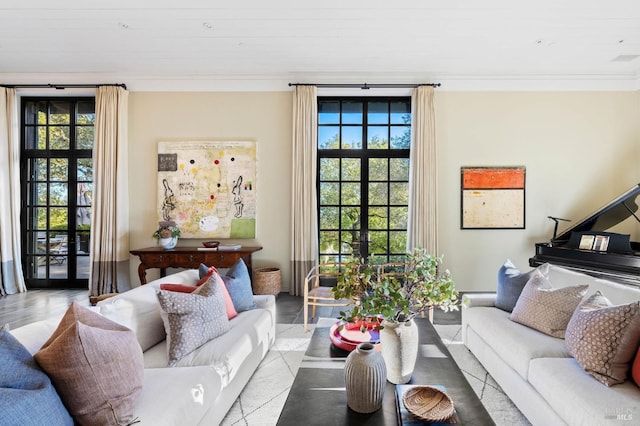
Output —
(547, 309)
(27, 397)
(510, 284)
(193, 318)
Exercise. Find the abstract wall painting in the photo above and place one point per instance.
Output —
(492, 197)
(208, 188)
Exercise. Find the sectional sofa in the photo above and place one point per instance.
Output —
(202, 386)
(536, 370)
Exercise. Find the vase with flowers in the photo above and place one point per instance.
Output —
(167, 234)
(396, 292)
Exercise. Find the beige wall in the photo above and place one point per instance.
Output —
(580, 149)
(264, 117)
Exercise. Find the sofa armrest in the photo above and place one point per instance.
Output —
(264, 301)
(478, 299)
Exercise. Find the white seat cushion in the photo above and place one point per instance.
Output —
(177, 396)
(580, 399)
(515, 343)
(226, 353)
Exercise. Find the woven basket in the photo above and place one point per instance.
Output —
(428, 403)
(267, 281)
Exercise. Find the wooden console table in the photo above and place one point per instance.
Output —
(189, 257)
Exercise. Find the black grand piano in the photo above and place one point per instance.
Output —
(588, 247)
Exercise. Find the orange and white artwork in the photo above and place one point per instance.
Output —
(493, 197)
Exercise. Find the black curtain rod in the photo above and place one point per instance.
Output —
(366, 86)
(60, 86)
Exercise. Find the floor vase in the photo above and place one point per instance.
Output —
(365, 379)
(399, 343)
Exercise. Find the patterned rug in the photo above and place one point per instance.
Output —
(264, 396)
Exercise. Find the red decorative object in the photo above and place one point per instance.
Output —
(347, 336)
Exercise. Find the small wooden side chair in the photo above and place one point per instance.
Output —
(316, 294)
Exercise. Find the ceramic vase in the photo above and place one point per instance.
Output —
(365, 378)
(168, 243)
(399, 343)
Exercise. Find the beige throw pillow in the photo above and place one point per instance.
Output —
(603, 338)
(194, 318)
(544, 308)
(95, 365)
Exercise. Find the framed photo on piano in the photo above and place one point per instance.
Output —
(600, 243)
(594, 242)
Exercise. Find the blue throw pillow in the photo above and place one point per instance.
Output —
(238, 284)
(510, 284)
(27, 396)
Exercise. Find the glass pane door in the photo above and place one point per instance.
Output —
(57, 191)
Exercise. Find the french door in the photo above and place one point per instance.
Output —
(57, 185)
(363, 177)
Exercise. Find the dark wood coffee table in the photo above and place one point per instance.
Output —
(317, 396)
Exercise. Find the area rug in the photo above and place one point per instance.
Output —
(261, 401)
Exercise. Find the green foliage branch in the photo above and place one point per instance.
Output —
(415, 286)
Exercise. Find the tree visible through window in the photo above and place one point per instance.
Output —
(57, 185)
(363, 176)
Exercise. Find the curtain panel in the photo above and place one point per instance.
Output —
(110, 220)
(423, 189)
(10, 239)
(304, 212)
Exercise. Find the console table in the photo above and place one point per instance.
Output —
(189, 257)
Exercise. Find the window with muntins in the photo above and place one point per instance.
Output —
(363, 177)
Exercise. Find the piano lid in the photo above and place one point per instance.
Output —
(607, 216)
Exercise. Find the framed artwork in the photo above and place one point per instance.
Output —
(492, 197)
(208, 188)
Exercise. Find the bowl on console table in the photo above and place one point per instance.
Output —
(211, 244)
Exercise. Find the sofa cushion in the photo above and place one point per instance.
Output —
(580, 400)
(193, 318)
(178, 396)
(616, 292)
(545, 308)
(510, 284)
(515, 343)
(27, 396)
(227, 353)
(96, 365)
(604, 338)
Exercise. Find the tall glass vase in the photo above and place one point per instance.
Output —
(399, 343)
(365, 379)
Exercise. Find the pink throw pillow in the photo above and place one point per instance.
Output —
(180, 288)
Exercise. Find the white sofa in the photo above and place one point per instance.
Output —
(536, 371)
(203, 386)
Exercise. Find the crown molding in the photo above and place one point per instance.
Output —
(279, 83)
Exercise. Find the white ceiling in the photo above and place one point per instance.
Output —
(264, 44)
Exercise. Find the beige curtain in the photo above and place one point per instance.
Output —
(10, 249)
(423, 190)
(304, 224)
(110, 219)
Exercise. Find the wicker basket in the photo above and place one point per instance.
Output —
(267, 281)
(428, 403)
